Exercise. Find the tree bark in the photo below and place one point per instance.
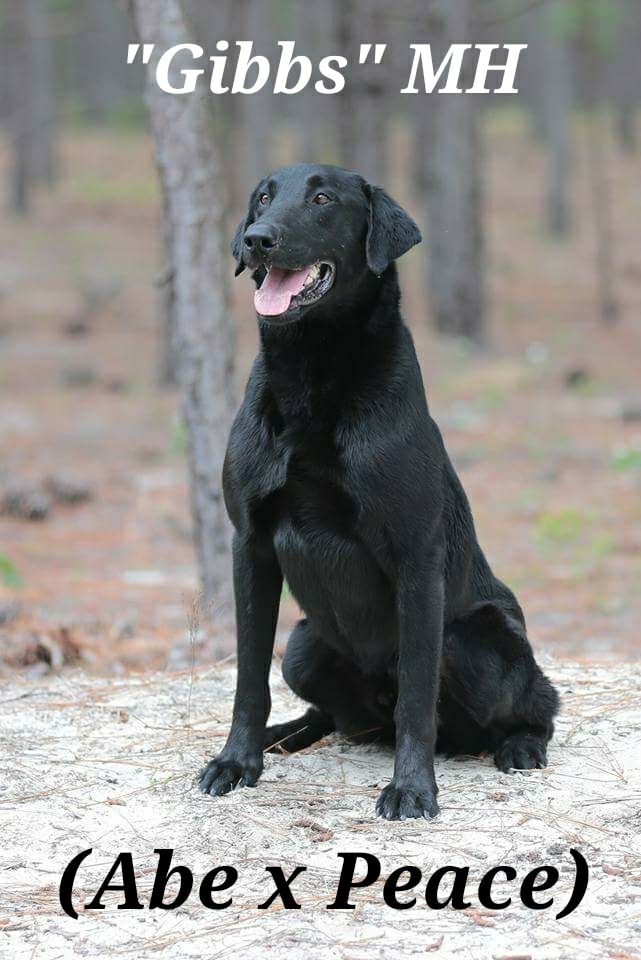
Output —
(42, 159)
(598, 172)
(345, 101)
(188, 165)
(556, 86)
(258, 108)
(628, 76)
(531, 92)
(307, 105)
(103, 43)
(20, 103)
(31, 99)
(168, 367)
(371, 91)
(450, 147)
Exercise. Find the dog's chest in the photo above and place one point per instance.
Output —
(313, 506)
(329, 569)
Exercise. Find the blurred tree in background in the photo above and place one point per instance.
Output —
(63, 64)
(450, 165)
(201, 325)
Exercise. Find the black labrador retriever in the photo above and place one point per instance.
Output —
(336, 478)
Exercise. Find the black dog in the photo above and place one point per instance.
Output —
(336, 478)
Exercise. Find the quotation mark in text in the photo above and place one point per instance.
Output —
(365, 48)
(147, 50)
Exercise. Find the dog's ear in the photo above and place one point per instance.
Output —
(237, 242)
(391, 231)
(237, 247)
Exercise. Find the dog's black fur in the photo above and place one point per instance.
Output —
(337, 479)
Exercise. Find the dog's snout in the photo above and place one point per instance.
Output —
(261, 238)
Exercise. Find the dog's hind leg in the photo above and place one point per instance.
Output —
(490, 677)
(300, 733)
(340, 698)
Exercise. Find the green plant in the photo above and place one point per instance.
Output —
(575, 534)
(179, 440)
(9, 573)
(492, 398)
(561, 526)
(626, 458)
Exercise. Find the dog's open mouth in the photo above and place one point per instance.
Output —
(284, 290)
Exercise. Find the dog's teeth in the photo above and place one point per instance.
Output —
(312, 276)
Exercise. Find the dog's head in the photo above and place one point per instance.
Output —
(313, 234)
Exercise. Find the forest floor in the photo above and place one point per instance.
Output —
(544, 427)
(109, 765)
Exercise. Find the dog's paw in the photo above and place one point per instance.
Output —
(521, 751)
(403, 803)
(222, 775)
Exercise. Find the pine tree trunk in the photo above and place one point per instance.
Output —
(188, 165)
(168, 367)
(307, 105)
(597, 150)
(450, 148)
(531, 87)
(43, 92)
(557, 104)
(20, 103)
(102, 58)
(344, 102)
(370, 119)
(258, 108)
(628, 75)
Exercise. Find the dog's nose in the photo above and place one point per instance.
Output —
(261, 238)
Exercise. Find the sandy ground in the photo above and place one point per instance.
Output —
(110, 765)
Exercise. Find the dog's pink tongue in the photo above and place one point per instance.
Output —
(277, 289)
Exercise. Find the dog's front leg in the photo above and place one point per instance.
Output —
(257, 587)
(412, 791)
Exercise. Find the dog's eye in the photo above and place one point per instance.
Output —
(321, 198)
(264, 199)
